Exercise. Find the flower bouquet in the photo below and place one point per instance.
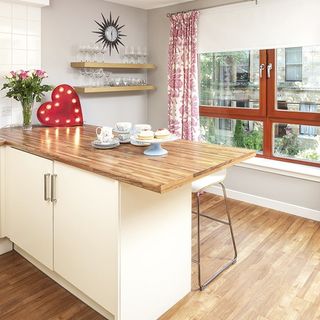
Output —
(25, 86)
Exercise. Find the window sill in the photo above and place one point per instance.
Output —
(283, 168)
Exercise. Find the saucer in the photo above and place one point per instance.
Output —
(105, 145)
(125, 141)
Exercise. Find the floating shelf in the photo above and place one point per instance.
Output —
(112, 65)
(113, 89)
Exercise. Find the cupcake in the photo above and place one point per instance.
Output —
(146, 135)
(162, 134)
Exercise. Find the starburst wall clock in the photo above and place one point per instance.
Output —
(109, 32)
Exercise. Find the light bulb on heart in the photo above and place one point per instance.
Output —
(63, 111)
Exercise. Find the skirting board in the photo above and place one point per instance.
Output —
(269, 203)
(5, 245)
(65, 284)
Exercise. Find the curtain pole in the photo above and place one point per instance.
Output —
(221, 5)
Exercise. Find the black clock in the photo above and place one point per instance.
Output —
(110, 33)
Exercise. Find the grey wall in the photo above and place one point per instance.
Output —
(267, 185)
(276, 187)
(68, 23)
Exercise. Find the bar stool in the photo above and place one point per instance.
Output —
(201, 186)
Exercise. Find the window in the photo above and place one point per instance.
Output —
(308, 130)
(267, 100)
(225, 124)
(293, 58)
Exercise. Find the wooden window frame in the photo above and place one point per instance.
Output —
(268, 113)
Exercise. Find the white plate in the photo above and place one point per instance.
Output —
(171, 138)
(139, 144)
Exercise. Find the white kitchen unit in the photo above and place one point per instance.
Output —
(86, 226)
(127, 249)
(111, 226)
(5, 244)
(29, 216)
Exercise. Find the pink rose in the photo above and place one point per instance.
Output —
(41, 74)
(23, 75)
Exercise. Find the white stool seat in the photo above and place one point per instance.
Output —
(201, 184)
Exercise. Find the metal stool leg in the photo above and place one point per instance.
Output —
(202, 286)
(198, 240)
(230, 223)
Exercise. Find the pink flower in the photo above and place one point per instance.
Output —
(41, 74)
(23, 75)
(13, 73)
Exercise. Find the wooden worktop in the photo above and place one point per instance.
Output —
(186, 161)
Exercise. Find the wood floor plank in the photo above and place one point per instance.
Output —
(27, 293)
(277, 276)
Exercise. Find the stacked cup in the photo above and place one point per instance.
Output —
(123, 131)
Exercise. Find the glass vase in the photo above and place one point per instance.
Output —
(27, 107)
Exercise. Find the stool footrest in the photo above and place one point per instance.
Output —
(211, 218)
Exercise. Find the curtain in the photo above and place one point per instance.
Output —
(183, 100)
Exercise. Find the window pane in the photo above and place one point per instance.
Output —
(230, 79)
(301, 142)
(298, 81)
(231, 132)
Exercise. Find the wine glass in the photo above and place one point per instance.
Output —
(145, 54)
(82, 53)
(131, 54)
(95, 52)
(99, 75)
(89, 77)
(139, 55)
(103, 53)
(107, 78)
(83, 77)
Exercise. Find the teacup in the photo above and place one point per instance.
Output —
(104, 134)
(124, 136)
(140, 127)
(123, 126)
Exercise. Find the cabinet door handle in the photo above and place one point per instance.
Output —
(54, 188)
(47, 187)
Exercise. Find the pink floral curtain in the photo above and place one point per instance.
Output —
(183, 100)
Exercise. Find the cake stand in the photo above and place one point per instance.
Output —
(155, 149)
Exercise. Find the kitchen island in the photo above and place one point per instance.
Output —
(112, 226)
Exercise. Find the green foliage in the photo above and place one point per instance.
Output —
(288, 145)
(25, 86)
(247, 139)
(239, 135)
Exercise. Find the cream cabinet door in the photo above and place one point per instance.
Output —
(85, 233)
(29, 218)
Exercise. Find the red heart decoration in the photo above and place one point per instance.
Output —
(64, 110)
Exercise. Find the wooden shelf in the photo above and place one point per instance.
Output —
(112, 65)
(113, 89)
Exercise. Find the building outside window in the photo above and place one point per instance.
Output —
(293, 64)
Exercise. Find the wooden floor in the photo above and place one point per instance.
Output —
(277, 276)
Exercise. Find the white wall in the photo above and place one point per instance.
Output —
(268, 188)
(20, 45)
(68, 23)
